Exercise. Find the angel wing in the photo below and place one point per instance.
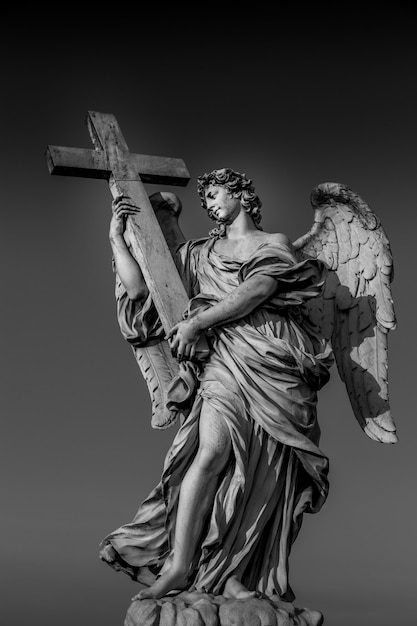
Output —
(356, 310)
(154, 358)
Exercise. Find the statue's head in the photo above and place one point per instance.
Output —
(237, 185)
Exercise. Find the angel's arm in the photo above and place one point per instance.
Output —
(237, 304)
(127, 267)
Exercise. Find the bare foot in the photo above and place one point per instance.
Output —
(170, 581)
(234, 589)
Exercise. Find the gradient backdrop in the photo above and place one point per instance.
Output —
(291, 104)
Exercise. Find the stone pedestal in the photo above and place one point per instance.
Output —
(204, 609)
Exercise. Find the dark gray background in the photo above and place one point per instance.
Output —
(290, 103)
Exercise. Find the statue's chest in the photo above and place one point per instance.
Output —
(238, 252)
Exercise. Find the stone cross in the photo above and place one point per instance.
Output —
(126, 172)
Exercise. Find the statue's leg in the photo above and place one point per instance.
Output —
(196, 500)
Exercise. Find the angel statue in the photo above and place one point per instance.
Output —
(245, 463)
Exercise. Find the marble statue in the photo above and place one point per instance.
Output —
(214, 536)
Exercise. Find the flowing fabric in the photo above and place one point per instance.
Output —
(262, 379)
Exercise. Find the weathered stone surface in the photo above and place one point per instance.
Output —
(189, 617)
(208, 611)
(203, 609)
(146, 612)
(252, 611)
(168, 615)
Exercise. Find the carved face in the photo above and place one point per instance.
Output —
(221, 204)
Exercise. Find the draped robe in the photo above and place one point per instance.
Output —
(262, 378)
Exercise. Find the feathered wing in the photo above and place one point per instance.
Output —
(158, 368)
(154, 357)
(356, 310)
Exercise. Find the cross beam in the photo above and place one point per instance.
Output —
(126, 172)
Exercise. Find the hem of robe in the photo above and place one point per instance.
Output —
(142, 548)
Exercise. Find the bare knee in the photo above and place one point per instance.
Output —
(214, 442)
(212, 459)
(214, 450)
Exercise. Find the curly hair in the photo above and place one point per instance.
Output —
(239, 186)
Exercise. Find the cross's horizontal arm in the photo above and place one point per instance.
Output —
(86, 163)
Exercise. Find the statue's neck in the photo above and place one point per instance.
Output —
(241, 226)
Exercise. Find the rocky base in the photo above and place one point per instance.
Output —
(203, 609)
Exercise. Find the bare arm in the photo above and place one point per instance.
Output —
(240, 302)
(126, 266)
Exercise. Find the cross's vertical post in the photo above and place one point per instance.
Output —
(126, 173)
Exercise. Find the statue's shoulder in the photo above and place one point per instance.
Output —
(193, 245)
(189, 251)
(279, 238)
